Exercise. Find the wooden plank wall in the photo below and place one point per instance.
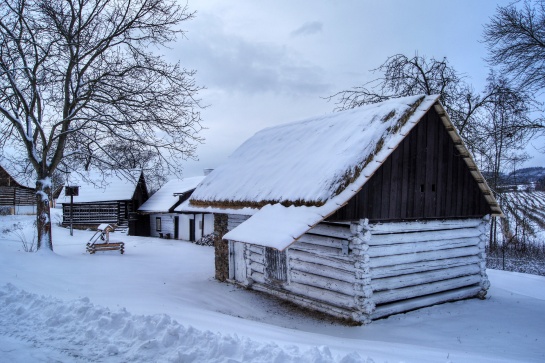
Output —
(323, 271)
(417, 264)
(17, 196)
(91, 213)
(424, 178)
(362, 272)
(328, 265)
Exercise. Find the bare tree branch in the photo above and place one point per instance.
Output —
(80, 86)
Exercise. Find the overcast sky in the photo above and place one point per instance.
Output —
(268, 62)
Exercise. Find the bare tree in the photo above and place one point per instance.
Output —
(504, 129)
(506, 126)
(404, 76)
(77, 77)
(515, 37)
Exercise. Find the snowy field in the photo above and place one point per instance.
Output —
(160, 303)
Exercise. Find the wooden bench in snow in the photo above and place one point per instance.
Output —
(101, 241)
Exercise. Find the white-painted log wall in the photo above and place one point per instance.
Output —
(363, 272)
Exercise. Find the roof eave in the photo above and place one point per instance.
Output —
(470, 162)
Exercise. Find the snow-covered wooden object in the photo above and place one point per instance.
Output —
(359, 214)
(17, 195)
(361, 271)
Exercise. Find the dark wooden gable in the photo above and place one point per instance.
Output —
(424, 178)
(6, 179)
(12, 193)
(140, 193)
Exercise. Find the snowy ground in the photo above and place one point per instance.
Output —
(159, 303)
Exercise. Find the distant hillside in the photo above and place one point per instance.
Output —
(526, 175)
(534, 175)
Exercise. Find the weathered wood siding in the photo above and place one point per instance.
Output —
(361, 271)
(424, 178)
(321, 271)
(89, 214)
(18, 198)
(417, 264)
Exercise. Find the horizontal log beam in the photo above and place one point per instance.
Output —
(409, 268)
(257, 249)
(332, 230)
(399, 249)
(423, 256)
(398, 238)
(256, 257)
(420, 302)
(382, 297)
(309, 256)
(321, 282)
(257, 267)
(320, 250)
(403, 227)
(346, 275)
(320, 295)
(257, 276)
(331, 242)
(349, 314)
(397, 282)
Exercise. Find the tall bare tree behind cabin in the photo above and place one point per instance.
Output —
(401, 76)
(515, 37)
(79, 76)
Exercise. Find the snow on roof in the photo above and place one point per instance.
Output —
(293, 176)
(164, 198)
(288, 224)
(308, 162)
(102, 186)
(23, 174)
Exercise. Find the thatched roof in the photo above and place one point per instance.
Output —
(304, 171)
(22, 174)
(102, 186)
(166, 197)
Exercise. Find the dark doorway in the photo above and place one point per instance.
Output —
(176, 227)
(192, 230)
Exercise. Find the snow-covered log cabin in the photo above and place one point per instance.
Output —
(159, 216)
(17, 195)
(110, 196)
(359, 214)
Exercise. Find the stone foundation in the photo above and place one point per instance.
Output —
(221, 247)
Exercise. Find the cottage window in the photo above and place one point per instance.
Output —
(158, 224)
(276, 265)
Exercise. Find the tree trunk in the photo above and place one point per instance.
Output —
(43, 214)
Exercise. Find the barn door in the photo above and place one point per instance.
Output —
(237, 262)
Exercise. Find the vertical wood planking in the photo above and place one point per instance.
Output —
(385, 188)
(426, 157)
(405, 178)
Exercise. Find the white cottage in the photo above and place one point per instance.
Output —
(164, 221)
(359, 214)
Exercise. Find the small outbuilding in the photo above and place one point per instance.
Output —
(165, 222)
(359, 214)
(111, 197)
(17, 195)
